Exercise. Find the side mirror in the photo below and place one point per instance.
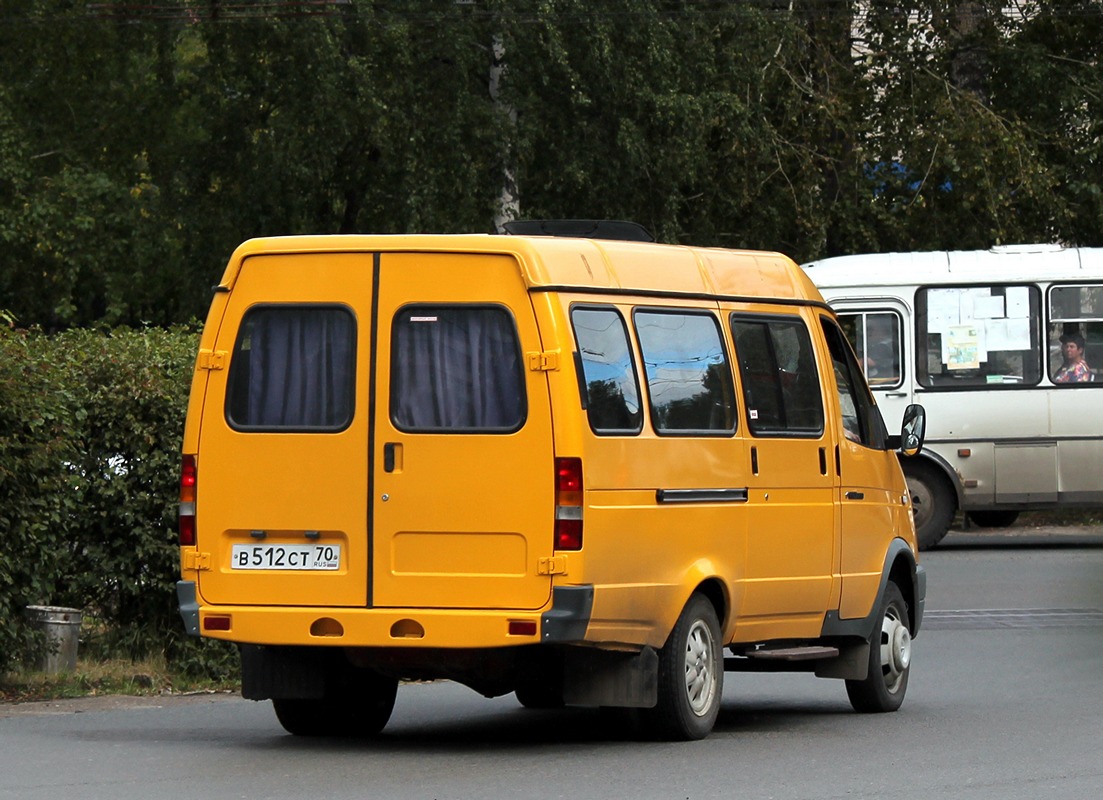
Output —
(913, 429)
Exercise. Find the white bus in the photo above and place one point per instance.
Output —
(1004, 348)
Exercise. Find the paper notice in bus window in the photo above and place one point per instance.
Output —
(961, 347)
(988, 307)
(1007, 334)
(1018, 302)
(943, 308)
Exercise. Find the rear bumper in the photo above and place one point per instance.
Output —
(564, 620)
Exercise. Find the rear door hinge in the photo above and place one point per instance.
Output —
(193, 559)
(547, 361)
(553, 565)
(211, 359)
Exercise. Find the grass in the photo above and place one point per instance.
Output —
(149, 677)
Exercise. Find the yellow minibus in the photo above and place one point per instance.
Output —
(586, 471)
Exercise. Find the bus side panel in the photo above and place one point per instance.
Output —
(644, 554)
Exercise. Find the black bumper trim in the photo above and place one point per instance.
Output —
(570, 614)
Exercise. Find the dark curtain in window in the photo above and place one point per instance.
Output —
(294, 367)
(456, 369)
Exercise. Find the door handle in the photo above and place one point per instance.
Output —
(855, 496)
(389, 456)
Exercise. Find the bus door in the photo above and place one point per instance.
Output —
(462, 498)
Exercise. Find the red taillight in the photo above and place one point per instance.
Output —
(188, 478)
(568, 503)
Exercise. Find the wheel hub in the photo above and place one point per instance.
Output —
(900, 648)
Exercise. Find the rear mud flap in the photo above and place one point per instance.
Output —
(614, 679)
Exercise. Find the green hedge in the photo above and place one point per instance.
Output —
(90, 429)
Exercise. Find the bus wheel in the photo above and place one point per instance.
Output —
(360, 710)
(993, 519)
(933, 503)
(691, 676)
(890, 652)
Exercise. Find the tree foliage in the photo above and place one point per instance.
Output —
(90, 427)
(139, 145)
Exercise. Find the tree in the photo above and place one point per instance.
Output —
(140, 144)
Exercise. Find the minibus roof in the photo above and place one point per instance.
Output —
(1027, 262)
(580, 264)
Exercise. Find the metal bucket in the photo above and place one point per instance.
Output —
(62, 628)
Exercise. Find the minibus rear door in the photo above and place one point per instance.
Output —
(462, 484)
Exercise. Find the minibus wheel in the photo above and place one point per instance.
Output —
(890, 650)
(359, 710)
(933, 503)
(691, 675)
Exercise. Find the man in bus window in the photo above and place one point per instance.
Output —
(1075, 369)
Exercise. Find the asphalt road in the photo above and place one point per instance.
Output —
(1005, 703)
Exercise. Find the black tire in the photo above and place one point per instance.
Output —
(886, 682)
(691, 676)
(933, 502)
(993, 519)
(359, 710)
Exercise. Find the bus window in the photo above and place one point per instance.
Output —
(978, 336)
(781, 386)
(1075, 332)
(609, 373)
(688, 378)
(456, 369)
(876, 339)
(861, 419)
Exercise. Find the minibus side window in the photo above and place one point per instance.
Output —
(1076, 335)
(610, 387)
(781, 386)
(689, 381)
(293, 369)
(876, 337)
(970, 336)
(862, 421)
(456, 369)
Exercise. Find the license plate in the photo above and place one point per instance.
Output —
(307, 557)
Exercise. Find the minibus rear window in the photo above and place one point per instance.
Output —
(456, 369)
(293, 369)
(689, 381)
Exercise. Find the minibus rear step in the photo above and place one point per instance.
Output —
(773, 658)
(795, 653)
